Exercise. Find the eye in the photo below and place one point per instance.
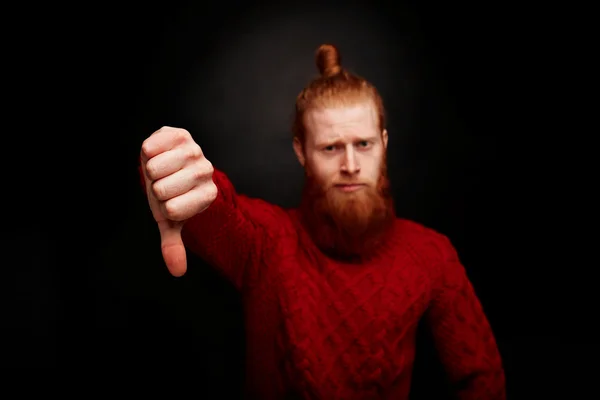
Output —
(364, 144)
(329, 148)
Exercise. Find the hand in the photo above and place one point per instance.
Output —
(179, 185)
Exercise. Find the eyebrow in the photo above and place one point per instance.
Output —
(338, 141)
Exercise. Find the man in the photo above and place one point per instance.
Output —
(334, 289)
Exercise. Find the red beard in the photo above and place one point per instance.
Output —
(348, 225)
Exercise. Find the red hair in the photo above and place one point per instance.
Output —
(334, 87)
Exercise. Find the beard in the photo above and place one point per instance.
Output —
(348, 224)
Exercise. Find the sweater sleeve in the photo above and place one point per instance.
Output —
(463, 335)
(232, 232)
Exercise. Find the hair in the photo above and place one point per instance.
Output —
(335, 87)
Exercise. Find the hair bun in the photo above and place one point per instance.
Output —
(328, 60)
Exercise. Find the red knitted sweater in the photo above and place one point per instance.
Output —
(318, 328)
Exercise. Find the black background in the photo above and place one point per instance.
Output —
(487, 146)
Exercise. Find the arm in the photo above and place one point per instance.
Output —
(463, 335)
(231, 233)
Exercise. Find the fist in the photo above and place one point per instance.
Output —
(179, 185)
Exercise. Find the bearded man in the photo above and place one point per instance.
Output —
(334, 289)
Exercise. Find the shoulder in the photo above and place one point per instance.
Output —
(434, 252)
(272, 217)
(425, 243)
(259, 212)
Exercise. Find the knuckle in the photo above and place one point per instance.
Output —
(146, 148)
(159, 191)
(151, 170)
(181, 135)
(167, 128)
(198, 173)
(202, 171)
(193, 152)
(171, 210)
(213, 191)
(210, 169)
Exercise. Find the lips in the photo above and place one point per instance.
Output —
(350, 187)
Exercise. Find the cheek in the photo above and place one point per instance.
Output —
(322, 171)
(372, 168)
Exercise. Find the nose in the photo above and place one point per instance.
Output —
(350, 163)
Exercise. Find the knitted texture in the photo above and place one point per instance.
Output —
(318, 328)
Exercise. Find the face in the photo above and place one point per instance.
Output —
(344, 148)
(346, 201)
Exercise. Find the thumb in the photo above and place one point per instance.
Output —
(172, 247)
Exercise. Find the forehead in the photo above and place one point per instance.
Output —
(336, 122)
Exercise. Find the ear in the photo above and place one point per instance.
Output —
(299, 151)
(384, 137)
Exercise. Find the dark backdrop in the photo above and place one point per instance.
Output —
(481, 133)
